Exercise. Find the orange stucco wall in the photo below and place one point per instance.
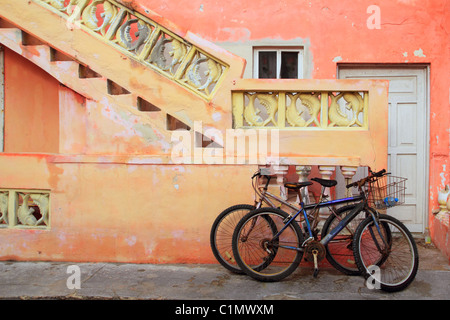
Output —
(31, 107)
(114, 212)
(411, 32)
(110, 208)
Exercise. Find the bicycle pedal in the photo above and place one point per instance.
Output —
(230, 257)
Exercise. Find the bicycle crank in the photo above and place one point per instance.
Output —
(315, 252)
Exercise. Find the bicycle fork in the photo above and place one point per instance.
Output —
(373, 235)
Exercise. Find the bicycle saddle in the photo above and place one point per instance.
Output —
(297, 185)
(325, 182)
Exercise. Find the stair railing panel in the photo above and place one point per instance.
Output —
(145, 41)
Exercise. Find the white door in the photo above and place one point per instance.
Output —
(408, 135)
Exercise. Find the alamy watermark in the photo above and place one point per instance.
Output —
(374, 20)
(234, 146)
(374, 279)
(74, 280)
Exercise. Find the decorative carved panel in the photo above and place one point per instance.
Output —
(143, 40)
(300, 110)
(24, 208)
(4, 208)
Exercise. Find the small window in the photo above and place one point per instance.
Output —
(278, 63)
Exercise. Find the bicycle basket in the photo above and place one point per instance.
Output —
(386, 192)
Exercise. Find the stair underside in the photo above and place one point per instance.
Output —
(92, 85)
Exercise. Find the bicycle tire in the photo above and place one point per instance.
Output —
(222, 233)
(397, 259)
(339, 251)
(258, 254)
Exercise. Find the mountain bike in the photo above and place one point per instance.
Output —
(255, 241)
(339, 252)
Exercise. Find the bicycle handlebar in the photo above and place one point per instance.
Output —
(257, 173)
(379, 173)
(363, 181)
(260, 174)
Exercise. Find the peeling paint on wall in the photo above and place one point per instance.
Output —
(442, 175)
(236, 33)
(131, 240)
(419, 53)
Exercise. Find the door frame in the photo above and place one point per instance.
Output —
(417, 66)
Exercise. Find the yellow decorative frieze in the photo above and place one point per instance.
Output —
(145, 41)
(4, 208)
(300, 110)
(24, 209)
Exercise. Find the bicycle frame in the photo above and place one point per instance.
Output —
(361, 198)
(265, 196)
(360, 206)
(318, 205)
(342, 224)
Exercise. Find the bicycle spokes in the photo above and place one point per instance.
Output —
(265, 252)
(390, 248)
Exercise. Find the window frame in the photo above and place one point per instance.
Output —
(278, 50)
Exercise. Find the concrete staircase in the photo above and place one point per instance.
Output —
(105, 75)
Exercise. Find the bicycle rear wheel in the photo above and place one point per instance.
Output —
(222, 233)
(258, 253)
(389, 250)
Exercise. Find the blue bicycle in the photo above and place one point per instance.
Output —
(268, 244)
(339, 252)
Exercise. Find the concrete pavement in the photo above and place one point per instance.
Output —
(59, 280)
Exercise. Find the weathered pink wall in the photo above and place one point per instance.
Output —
(113, 212)
(31, 107)
(411, 32)
(102, 209)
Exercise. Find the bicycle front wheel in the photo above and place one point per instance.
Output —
(259, 253)
(386, 253)
(222, 234)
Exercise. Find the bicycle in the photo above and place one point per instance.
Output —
(338, 252)
(254, 240)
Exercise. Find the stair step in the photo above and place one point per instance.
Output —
(174, 124)
(97, 85)
(6, 24)
(56, 55)
(11, 34)
(39, 54)
(29, 40)
(86, 72)
(115, 89)
(145, 106)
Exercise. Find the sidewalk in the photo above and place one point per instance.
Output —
(49, 280)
